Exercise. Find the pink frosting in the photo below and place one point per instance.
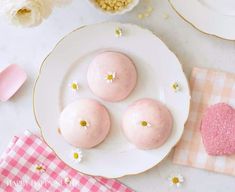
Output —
(218, 129)
(124, 82)
(94, 114)
(158, 117)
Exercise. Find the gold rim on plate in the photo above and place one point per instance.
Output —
(194, 26)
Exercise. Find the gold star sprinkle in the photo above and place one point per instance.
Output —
(148, 9)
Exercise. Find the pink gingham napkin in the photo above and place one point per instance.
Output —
(18, 170)
(208, 87)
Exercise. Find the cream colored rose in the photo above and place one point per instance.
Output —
(26, 13)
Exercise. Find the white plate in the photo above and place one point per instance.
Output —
(216, 17)
(157, 69)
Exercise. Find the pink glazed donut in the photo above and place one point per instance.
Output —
(147, 124)
(84, 123)
(112, 76)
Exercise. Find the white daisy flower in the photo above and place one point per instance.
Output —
(84, 123)
(74, 86)
(110, 77)
(77, 155)
(175, 86)
(145, 124)
(176, 180)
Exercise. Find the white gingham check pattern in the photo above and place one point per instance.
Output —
(208, 87)
(18, 171)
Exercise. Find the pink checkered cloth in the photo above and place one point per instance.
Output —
(208, 87)
(18, 170)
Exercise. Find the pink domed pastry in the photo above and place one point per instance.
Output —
(147, 123)
(218, 129)
(112, 76)
(84, 123)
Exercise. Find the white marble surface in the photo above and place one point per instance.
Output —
(28, 47)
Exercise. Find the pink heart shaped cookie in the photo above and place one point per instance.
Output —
(218, 129)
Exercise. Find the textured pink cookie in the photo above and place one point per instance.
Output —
(11, 79)
(218, 129)
(147, 123)
(84, 123)
(112, 76)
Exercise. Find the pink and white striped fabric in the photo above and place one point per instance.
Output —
(18, 171)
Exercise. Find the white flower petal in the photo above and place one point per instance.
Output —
(178, 184)
(181, 179)
(35, 11)
(80, 155)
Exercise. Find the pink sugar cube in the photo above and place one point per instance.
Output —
(11, 79)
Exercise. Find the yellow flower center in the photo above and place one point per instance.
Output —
(175, 180)
(23, 11)
(40, 168)
(110, 77)
(75, 155)
(118, 32)
(83, 123)
(175, 86)
(74, 86)
(144, 123)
